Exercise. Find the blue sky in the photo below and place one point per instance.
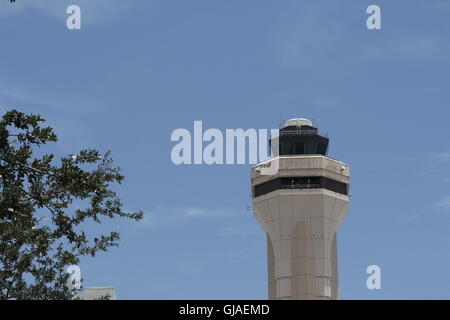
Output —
(140, 69)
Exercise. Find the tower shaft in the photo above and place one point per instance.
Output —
(300, 207)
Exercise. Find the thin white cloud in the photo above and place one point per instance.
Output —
(440, 157)
(182, 264)
(434, 165)
(319, 37)
(444, 203)
(410, 218)
(200, 212)
(306, 40)
(416, 47)
(93, 11)
(239, 231)
(20, 95)
(57, 110)
(162, 215)
(436, 4)
(325, 102)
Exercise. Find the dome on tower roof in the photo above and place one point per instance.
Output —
(298, 122)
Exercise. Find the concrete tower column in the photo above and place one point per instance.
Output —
(300, 207)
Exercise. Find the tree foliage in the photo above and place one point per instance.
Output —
(44, 206)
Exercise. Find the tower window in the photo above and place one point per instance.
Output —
(311, 147)
(322, 148)
(287, 147)
(299, 148)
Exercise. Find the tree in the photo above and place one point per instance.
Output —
(44, 206)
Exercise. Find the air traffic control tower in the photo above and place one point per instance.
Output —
(300, 197)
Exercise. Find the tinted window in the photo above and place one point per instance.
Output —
(299, 148)
(311, 147)
(322, 148)
(286, 147)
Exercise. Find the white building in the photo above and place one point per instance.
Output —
(97, 293)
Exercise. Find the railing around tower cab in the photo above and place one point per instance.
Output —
(302, 186)
(299, 132)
